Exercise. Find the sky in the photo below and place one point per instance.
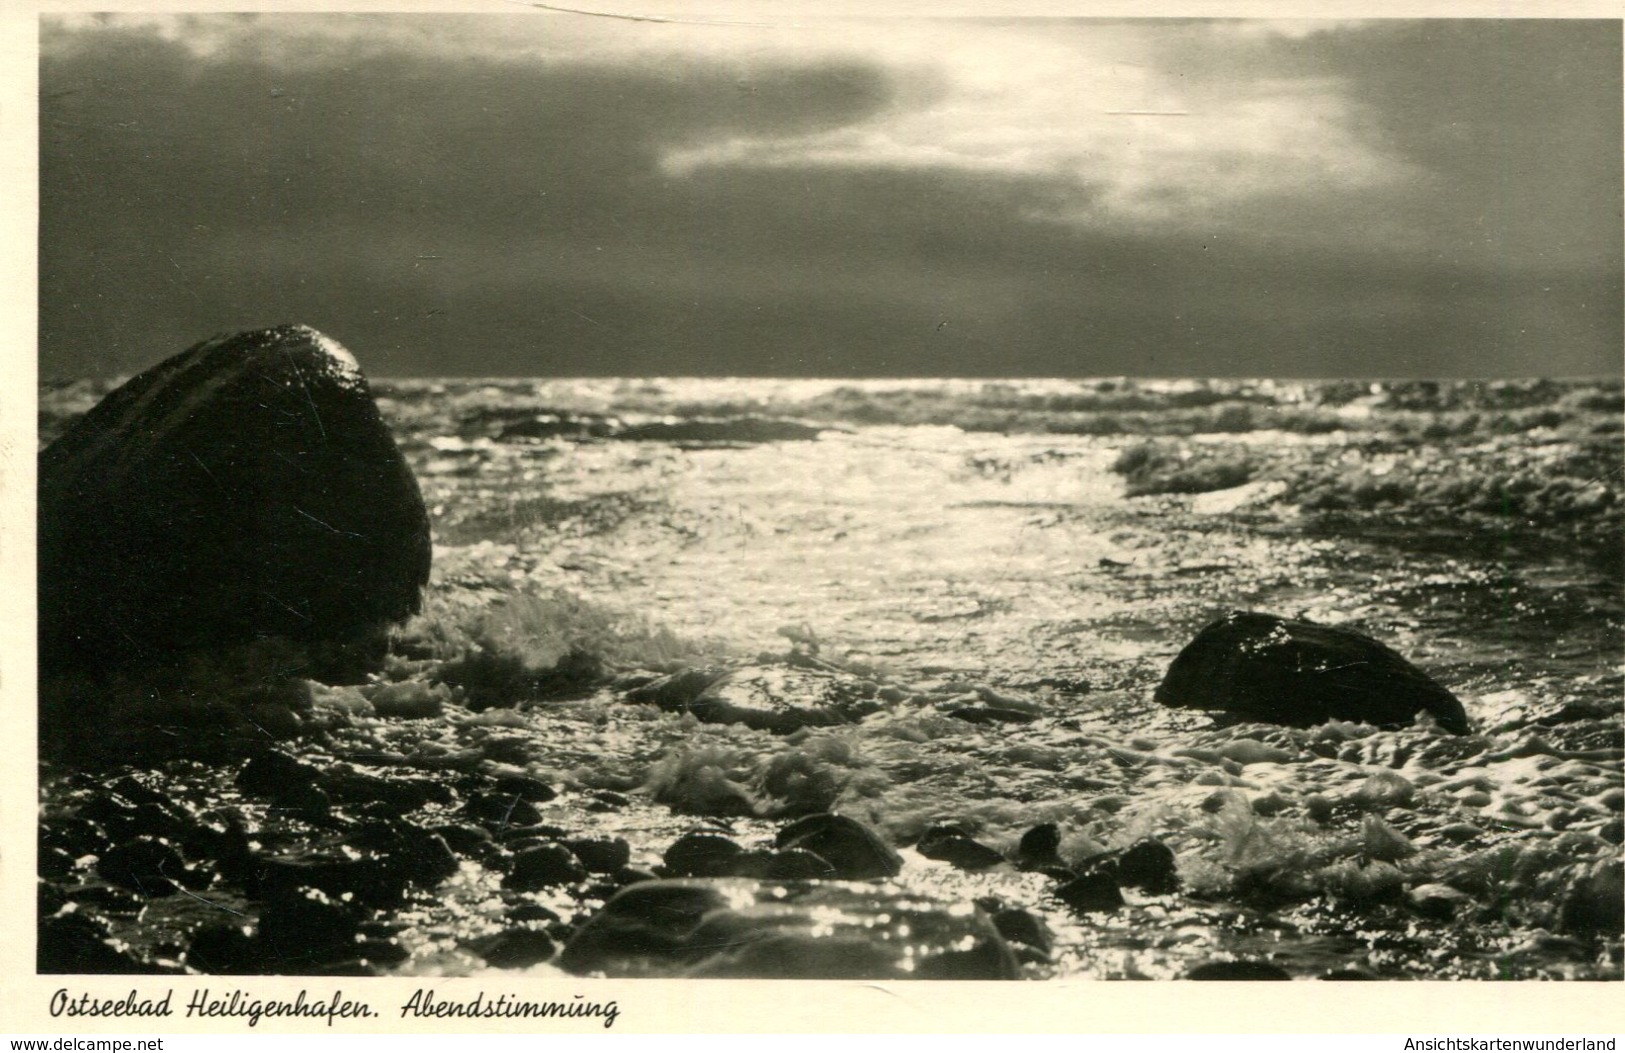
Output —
(553, 194)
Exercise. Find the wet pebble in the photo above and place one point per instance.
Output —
(1238, 970)
(1039, 847)
(649, 919)
(530, 910)
(148, 865)
(73, 834)
(632, 875)
(546, 831)
(499, 812)
(1595, 902)
(517, 948)
(699, 928)
(1148, 865)
(853, 849)
(606, 801)
(1025, 928)
(56, 863)
(1438, 901)
(273, 771)
(543, 867)
(305, 927)
(701, 853)
(796, 864)
(1092, 892)
(465, 838)
(950, 845)
(524, 787)
(108, 899)
(73, 942)
(600, 855)
(401, 795)
(49, 899)
(223, 949)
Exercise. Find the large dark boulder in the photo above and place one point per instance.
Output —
(1267, 668)
(244, 489)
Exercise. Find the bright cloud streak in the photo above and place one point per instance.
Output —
(1136, 140)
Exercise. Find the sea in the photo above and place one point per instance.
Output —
(948, 602)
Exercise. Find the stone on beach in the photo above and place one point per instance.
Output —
(1283, 671)
(802, 930)
(243, 489)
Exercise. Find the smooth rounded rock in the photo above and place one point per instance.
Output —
(1267, 668)
(542, 867)
(753, 930)
(949, 845)
(148, 865)
(601, 855)
(1093, 892)
(701, 853)
(517, 948)
(1149, 866)
(303, 927)
(853, 849)
(243, 489)
(1039, 847)
(1238, 971)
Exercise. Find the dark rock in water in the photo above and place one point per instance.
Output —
(525, 787)
(952, 846)
(1092, 892)
(1266, 668)
(1148, 865)
(274, 772)
(71, 942)
(512, 835)
(601, 855)
(701, 853)
(245, 488)
(632, 875)
(542, 867)
(675, 693)
(56, 863)
(372, 864)
(606, 801)
(855, 851)
(1024, 927)
(303, 927)
(148, 865)
(529, 910)
(651, 919)
(1039, 847)
(779, 698)
(516, 948)
(109, 900)
(226, 950)
(700, 928)
(1237, 971)
(796, 864)
(498, 812)
(1595, 903)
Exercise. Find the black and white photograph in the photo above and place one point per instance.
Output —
(544, 495)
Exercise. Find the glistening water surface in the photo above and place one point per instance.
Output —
(976, 587)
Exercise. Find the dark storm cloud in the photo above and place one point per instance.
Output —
(507, 211)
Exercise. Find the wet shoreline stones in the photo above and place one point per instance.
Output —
(1285, 671)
